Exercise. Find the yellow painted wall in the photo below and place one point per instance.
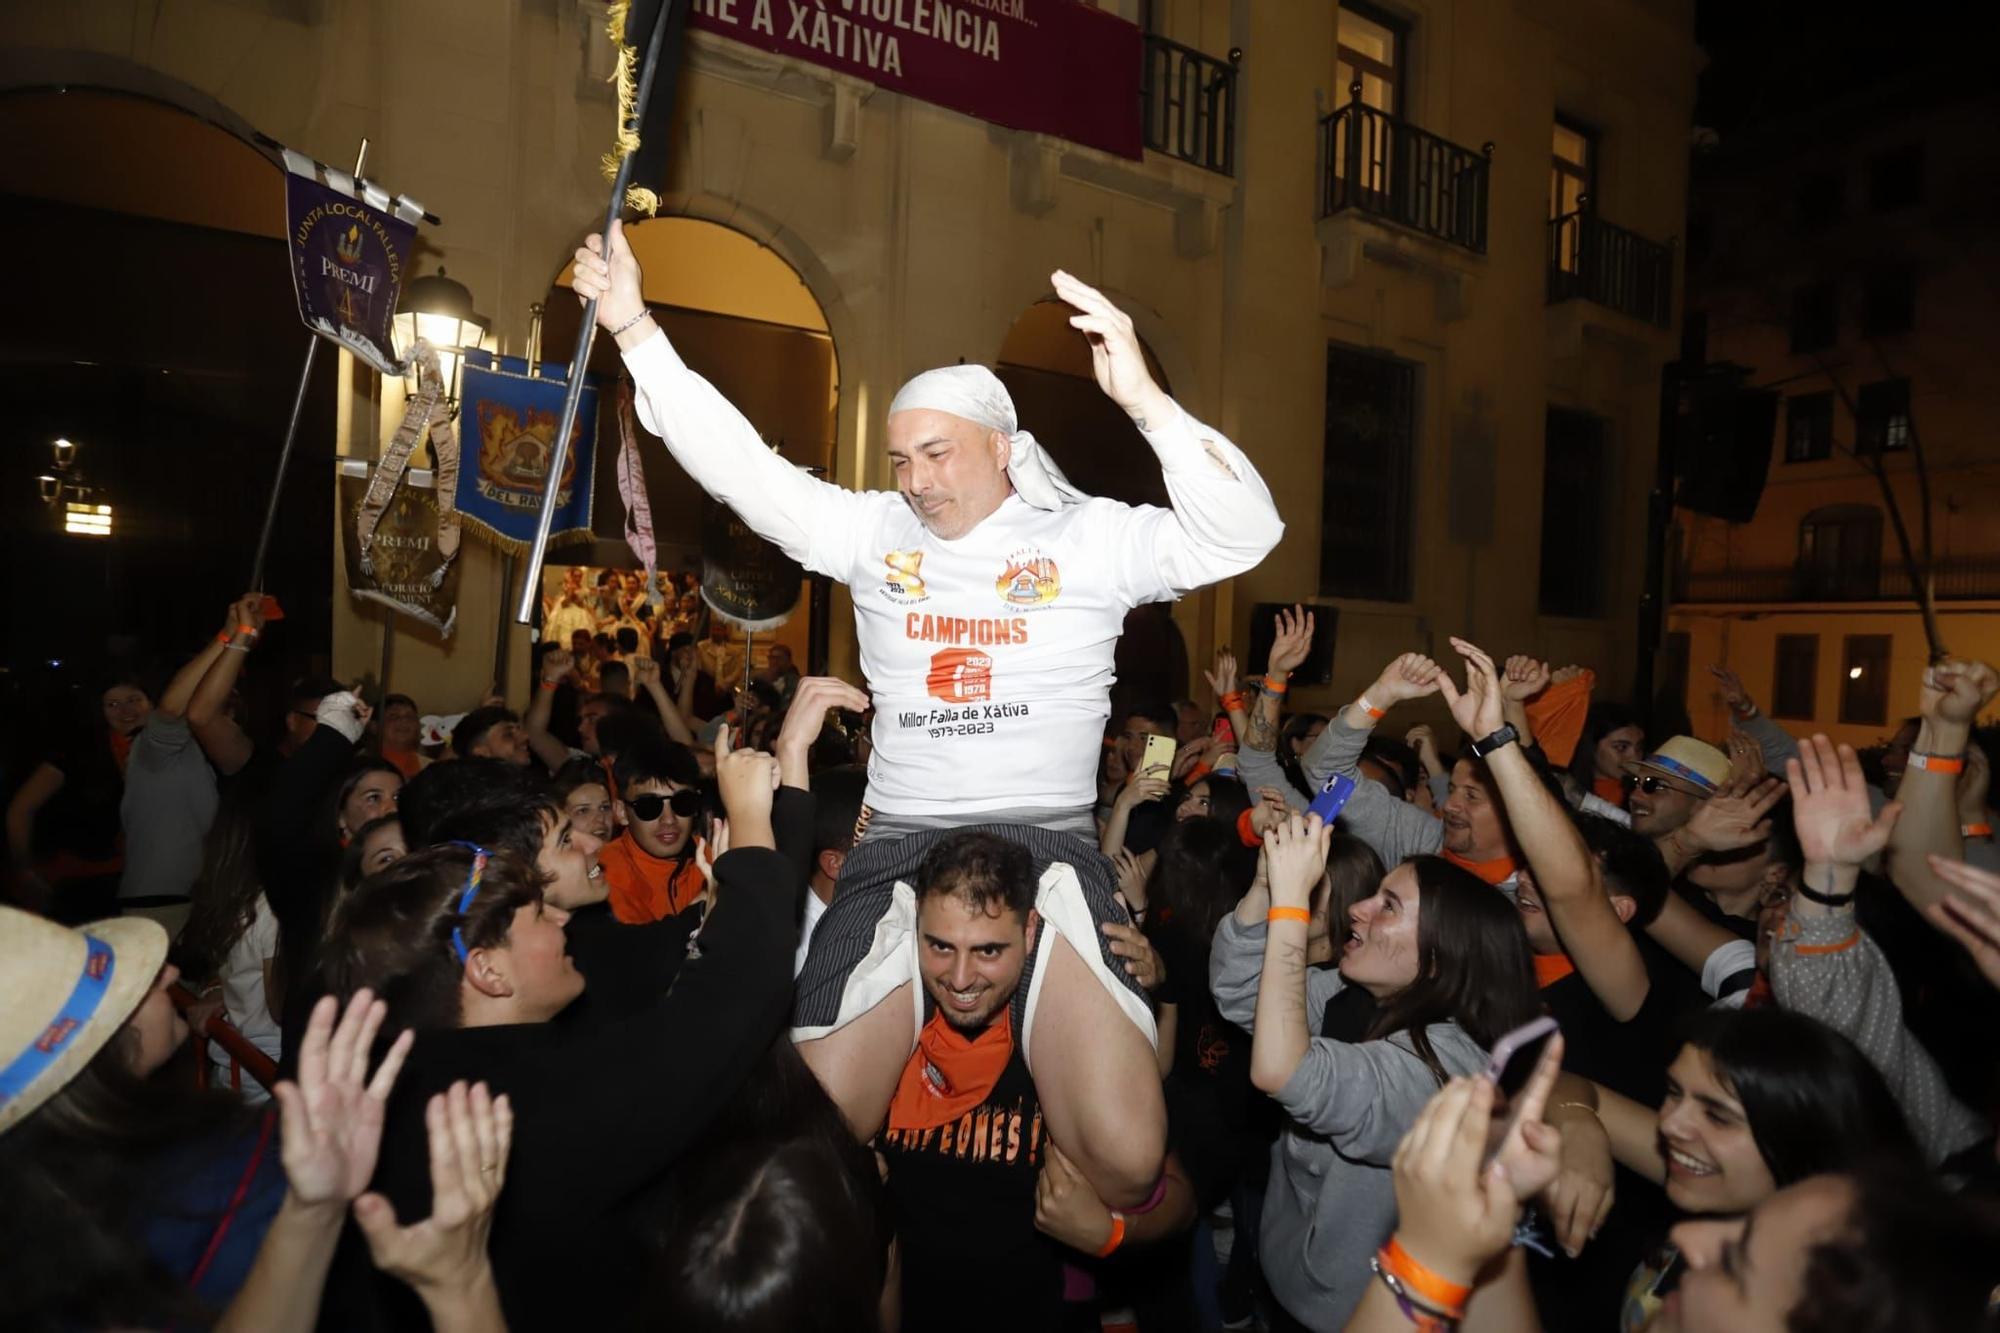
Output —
(921, 236)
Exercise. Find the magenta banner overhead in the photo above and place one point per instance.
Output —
(1056, 67)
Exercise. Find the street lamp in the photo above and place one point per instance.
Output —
(83, 515)
(439, 310)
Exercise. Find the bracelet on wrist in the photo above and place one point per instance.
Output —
(1980, 830)
(1937, 763)
(631, 323)
(1232, 701)
(1440, 1293)
(1117, 1236)
(1422, 1317)
(1810, 894)
(1274, 684)
(225, 638)
(1374, 713)
(1301, 915)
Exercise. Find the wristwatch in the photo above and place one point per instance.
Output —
(1505, 736)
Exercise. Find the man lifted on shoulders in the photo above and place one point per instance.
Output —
(988, 598)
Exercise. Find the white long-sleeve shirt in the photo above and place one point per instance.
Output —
(989, 657)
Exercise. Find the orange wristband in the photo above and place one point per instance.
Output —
(1938, 763)
(1274, 686)
(1245, 833)
(225, 638)
(551, 684)
(251, 630)
(1117, 1236)
(1298, 914)
(1442, 1292)
(1975, 830)
(1232, 700)
(1368, 708)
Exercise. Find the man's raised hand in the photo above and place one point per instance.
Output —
(1291, 640)
(1526, 677)
(814, 698)
(556, 664)
(1729, 686)
(1410, 676)
(1830, 806)
(1222, 679)
(614, 280)
(1478, 708)
(1955, 692)
(1115, 356)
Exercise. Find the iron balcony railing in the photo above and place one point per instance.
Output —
(1618, 269)
(1958, 578)
(1190, 103)
(1382, 165)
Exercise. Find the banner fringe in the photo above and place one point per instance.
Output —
(506, 545)
(625, 76)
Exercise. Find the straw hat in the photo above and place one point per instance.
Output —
(63, 994)
(1686, 764)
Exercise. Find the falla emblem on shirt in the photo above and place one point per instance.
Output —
(903, 583)
(1030, 579)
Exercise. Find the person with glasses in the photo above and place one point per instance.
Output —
(651, 865)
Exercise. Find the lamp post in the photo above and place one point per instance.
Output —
(438, 309)
(83, 514)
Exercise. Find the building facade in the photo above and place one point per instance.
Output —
(1417, 258)
(1846, 265)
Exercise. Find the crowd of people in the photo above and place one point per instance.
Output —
(957, 1002)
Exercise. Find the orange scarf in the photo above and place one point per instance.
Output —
(1609, 789)
(1493, 872)
(408, 762)
(1557, 715)
(645, 887)
(121, 750)
(949, 1073)
(1551, 968)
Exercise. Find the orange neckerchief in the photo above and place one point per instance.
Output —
(408, 762)
(1494, 871)
(121, 750)
(1609, 789)
(1558, 713)
(949, 1073)
(1551, 968)
(645, 887)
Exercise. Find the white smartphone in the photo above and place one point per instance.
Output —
(1511, 1065)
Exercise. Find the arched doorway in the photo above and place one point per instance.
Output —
(744, 319)
(1046, 366)
(157, 330)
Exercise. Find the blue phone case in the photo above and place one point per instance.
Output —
(1333, 797)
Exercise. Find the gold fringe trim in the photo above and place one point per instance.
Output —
(625, 76)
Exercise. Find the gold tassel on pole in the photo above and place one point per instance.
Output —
(626, 77)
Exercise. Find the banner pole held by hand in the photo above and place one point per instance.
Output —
(291, 432)
(671, 13)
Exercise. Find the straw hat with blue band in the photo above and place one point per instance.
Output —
(63, 994)
(480, 856)
(1687, 765)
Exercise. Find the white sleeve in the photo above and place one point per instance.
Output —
(1223, 519)
(812, 521)
(1730, 969)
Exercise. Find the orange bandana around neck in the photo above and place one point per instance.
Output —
(950, 1073)
(1609, 789)
(1551, 968)
(1493, 872)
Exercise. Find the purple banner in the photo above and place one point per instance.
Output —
(1056, 67)
(347, 267)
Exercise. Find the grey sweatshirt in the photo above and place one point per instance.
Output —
(170, 800)
(1331, 1201)
(1395, 829)
(1826, 966)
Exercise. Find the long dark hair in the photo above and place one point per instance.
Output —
(1474, 966)
(1813, 1101)
(1353, 873)
(1912, 1258)
(326, 829)
(393, 934)
(1203, 870)
(1605, 717)
(225, 892)
(81, 1174)
(780, 1220)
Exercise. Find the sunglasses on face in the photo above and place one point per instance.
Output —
(1648, 784)
(686, 803)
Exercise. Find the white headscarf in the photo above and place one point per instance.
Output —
(976, 394)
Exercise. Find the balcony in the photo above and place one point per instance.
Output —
(1957, 578)
(1374, 163)
(1190, 105)
(1617, 269)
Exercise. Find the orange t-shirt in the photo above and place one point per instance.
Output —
(645, 887)
(1609, 789)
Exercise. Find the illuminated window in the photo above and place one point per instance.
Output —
(87, 520)
(1370, 49)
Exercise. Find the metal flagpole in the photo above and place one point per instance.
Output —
(559, 450)
(313, 341)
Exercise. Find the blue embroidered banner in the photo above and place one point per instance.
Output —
(507, 429)
(348, 256)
